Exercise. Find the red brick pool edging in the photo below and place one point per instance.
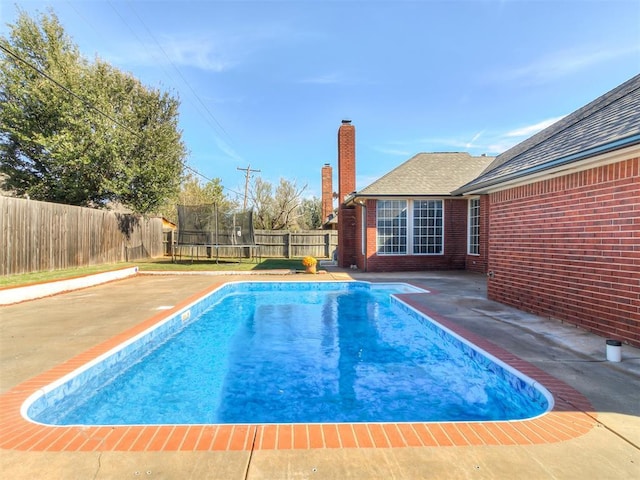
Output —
(571, 417)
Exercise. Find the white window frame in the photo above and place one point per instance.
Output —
(410, 245)
(473, 226)
(390, 225)
(432, 230)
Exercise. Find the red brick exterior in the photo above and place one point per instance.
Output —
(347, 243)
(347, 236)
(346, 160)
(455, 243)
(327, 191)
(568, 248)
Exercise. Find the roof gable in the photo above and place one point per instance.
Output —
(611, 118)
(428, 174)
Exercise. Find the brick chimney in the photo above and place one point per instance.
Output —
(346, 184)
(327, 191)
(346, 160)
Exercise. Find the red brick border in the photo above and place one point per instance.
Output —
(571, 417)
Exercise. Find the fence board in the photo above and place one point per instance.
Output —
(40, 236)
(274, 244)
(285, 244)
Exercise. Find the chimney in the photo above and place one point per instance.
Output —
(346, 254)
(346, 160)
(327, 191)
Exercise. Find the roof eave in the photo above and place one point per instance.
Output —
(496, 183)
(354, 197)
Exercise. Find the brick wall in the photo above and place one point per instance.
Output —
(327, 191)
(346, 160)
(568, 248)
(347, 239)
(455, 244)
(346, 185)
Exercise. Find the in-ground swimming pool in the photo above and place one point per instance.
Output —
(292, 352)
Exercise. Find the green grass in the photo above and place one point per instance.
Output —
(187, 265)
(157, 264)
(38, 277)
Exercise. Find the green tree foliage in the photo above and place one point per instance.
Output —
(310, 214)
(276, 210)
(99, 136)
(192, 192)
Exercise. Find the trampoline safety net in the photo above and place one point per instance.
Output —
(205, 225)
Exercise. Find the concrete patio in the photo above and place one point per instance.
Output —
(38, 335)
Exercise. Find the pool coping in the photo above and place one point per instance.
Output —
(22, 293)
(572, 415)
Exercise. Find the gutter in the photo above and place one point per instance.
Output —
(354, 197)
(575, 157)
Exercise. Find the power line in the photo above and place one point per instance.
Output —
(89, 105)
(210, 116)
(248, 172)
(85, 102)
(182, 77)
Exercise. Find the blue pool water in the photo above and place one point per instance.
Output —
(293, 352)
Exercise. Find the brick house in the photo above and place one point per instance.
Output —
(408, 219)
(564, 218)
(554, 221)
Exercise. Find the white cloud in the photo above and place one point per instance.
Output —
(204, 54)
(333, 78)
(213, 50)
(483, 142)
(394, 151)
(530, 130)
(563, 63)
(326, 79)
(474, 139)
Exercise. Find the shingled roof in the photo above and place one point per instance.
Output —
(610, 122)
(428, 174)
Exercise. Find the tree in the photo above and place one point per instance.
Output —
(275, 211)
(310, 216)
(192, 192)
(82, 133)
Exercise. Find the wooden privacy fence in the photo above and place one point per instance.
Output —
(285, 244)
(275, 244)
(40, 236)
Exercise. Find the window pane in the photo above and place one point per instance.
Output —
(427, 227)
(391, 226)
(474, 226)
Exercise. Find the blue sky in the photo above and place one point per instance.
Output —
(267, 83)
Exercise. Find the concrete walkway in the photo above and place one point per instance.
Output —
(38, 335)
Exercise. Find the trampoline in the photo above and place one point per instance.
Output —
(205, 226)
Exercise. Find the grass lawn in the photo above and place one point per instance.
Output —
(162, 264)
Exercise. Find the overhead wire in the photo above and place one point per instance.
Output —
(84, 101)
(209, 115)
(87, 104)
(182, 77)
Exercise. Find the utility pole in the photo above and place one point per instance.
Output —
(248, 172)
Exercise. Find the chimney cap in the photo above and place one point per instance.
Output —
(346, 122)
(327, 164)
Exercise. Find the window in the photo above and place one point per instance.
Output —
(427, 226)
(474, 226)
(409, 227)
(391, 226)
